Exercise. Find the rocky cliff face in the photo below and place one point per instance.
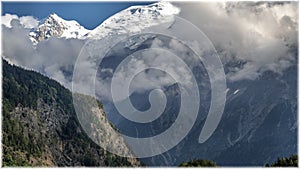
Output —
(40, 127)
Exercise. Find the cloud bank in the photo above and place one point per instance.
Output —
(262, 36)
(250, 38)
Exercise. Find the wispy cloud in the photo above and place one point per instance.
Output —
(261, 34)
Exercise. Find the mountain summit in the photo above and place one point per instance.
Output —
(132, 19)
(54, 25)
(135, 19)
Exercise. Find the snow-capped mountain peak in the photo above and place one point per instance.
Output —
(54, 25)
(160, 8)
(130, 20)
(135, 19)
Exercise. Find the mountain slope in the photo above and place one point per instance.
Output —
(258, 125)
(135, 19)
(40, 127)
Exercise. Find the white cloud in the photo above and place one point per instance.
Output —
(29, 21)
(26, 21)
(7, 18)
(260, 34)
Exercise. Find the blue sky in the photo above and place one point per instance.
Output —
(88, 14)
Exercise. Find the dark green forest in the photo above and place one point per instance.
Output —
(198, 163)
(291, 161)
(23, 88)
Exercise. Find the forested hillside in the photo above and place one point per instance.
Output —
(40, 127)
